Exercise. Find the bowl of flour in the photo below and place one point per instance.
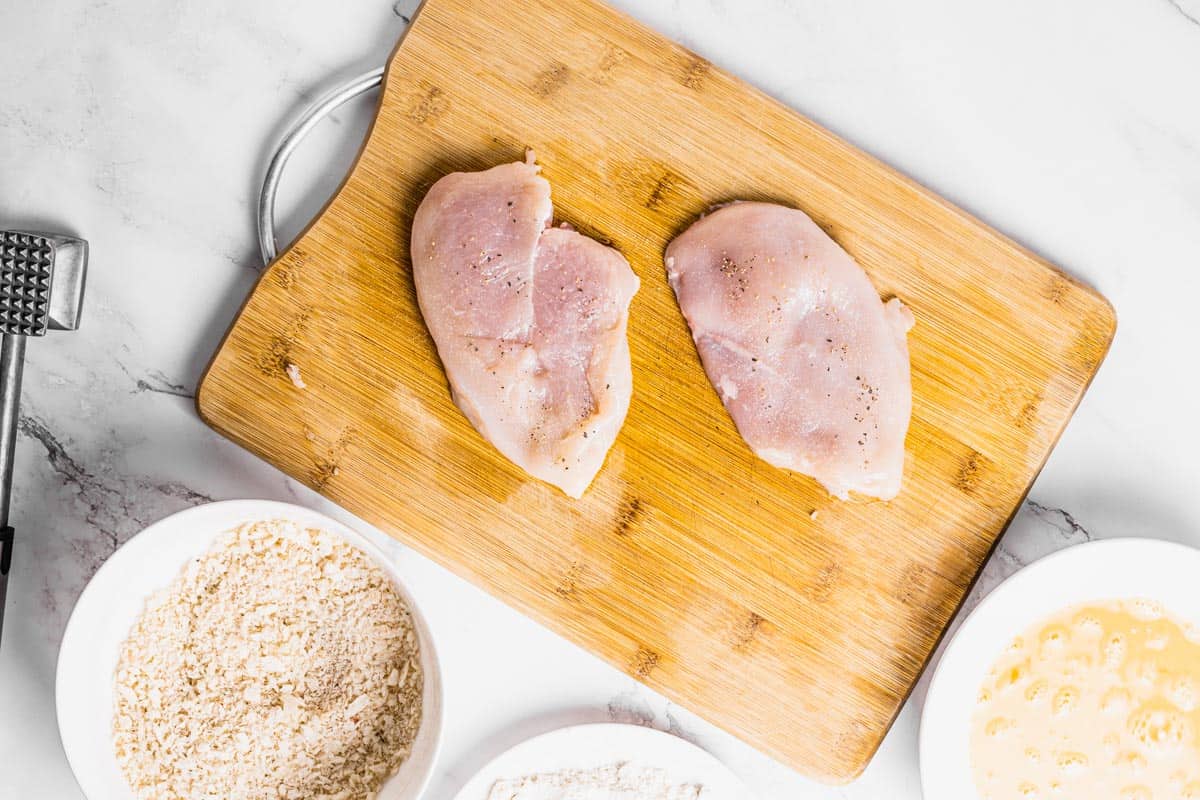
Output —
(605, 761)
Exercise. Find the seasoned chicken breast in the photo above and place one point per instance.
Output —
(529, 321)
(810, 364)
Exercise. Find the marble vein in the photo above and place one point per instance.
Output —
(60, 460)
(156, 382)
(1190, 10)
(676, 727)
(404, 9)
(114, 506)
(1011, 560)
(634, 708)
(100, 509)
(1061, 520)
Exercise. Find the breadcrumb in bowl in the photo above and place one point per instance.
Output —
(126, 671)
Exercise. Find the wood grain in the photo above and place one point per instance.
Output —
(689, 564)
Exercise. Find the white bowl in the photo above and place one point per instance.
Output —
(601, 744)
(116, 596)
(1103, 570)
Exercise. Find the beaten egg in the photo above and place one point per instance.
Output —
(1097, 701)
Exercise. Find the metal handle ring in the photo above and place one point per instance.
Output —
(292, 137)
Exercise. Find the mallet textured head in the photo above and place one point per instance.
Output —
(41, 282)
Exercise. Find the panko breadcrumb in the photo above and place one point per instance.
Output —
(280, 664)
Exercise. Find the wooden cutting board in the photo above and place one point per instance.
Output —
(743, 592)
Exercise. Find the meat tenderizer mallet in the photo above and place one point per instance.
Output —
(41, 288)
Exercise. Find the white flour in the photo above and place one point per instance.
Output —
(614, 782)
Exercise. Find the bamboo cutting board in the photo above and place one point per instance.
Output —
(745, 593)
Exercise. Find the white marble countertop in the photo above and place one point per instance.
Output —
(1073, 126)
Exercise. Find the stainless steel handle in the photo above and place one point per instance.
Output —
(12, 360)
(292, 137)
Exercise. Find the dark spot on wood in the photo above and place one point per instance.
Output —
(1057, 289)
(322, 473)
(695, 71)
(285, 275)
(628, 515)
(971, 472)
(662, 189)
(428, 105)
(745, 630)
(822, 588)
(286, 271)
(568, 585)
(658, 187)
(643, 663)
(1088, 347)
(1027, 414)
(551, 79)
(591, 232)
(612, 58)
(851, 738)
(913, 583)
(326, 467)
(273, 362)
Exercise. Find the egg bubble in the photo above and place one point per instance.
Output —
(1065, 700)
(1191, 791)
(1159, 730)
(1032, 755)
(1113, 650)
(1053, 640)
(1088, 624)
(1071, 763)
(1130, 761)
(999, 726)
(1014, 674)
(1145, 609)
(1028, 791)
(984, 697)
(1036, 691)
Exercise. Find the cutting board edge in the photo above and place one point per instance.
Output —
(1105, 319)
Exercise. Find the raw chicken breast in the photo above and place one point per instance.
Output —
(810, 364)
(529, 321)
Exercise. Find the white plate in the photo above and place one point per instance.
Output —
(1103, 570)
(116, 596)
(591, 746)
